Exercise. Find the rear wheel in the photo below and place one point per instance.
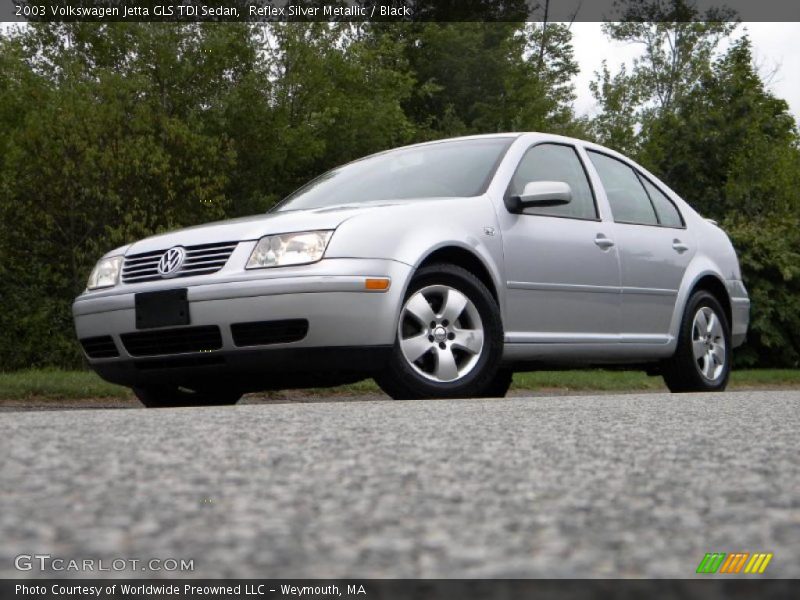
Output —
(449, 338)
(702, 360)
(164, 396)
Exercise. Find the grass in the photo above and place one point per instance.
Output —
(57, 384)
(75, 385)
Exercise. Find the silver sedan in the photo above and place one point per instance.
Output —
(438, 269)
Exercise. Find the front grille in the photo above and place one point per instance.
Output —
(172, 341)
(261, 333)
(100, 347)
(200, 260)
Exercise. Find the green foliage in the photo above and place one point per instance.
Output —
(676, 55)
(336, 96)
(488, 77)
(617, 122)
(769, 252)
(728, 145)
(677, 42)
(106, 149)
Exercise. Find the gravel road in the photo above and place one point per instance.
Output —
(606, 486)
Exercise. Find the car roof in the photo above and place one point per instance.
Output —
(519, 134)
(514, 135)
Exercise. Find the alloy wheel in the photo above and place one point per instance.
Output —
(708, 343)
(441, 334)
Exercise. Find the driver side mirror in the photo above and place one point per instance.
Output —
(539, 194)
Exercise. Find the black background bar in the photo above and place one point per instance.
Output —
(395, 10)
(740, 587)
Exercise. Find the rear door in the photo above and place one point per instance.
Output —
(654, 248)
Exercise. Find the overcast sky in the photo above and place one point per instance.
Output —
(776, 49)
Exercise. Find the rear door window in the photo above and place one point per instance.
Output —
(628, 199)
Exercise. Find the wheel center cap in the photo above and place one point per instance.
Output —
(440, 334)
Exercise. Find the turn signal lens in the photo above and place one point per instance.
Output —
(377, 284)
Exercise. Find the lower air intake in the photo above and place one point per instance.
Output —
(173, 341)
(100, 347)
(262, 333)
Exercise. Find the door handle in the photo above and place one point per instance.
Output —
(679, 246)
(603, 242)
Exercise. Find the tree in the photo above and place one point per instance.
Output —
(337, 95)
(618, 122)
(678, 45)
(732, 150)
(118, 147)
(482, 77)
(729, 145)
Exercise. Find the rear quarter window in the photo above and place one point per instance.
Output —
(668, 214)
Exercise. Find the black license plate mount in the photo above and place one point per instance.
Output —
(162, 309)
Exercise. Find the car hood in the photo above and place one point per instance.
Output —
(257, 226)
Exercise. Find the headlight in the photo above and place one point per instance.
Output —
(289, 249)
(105, 273)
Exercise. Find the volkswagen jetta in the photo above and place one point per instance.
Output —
(438, 269)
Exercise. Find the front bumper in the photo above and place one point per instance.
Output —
(342, 317)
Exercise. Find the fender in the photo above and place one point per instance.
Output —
(701, 266)
(482, 253)
(473, 228)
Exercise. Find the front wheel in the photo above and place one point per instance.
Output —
(499, 386)
(449, 338)
(702, 360)
(164, 396)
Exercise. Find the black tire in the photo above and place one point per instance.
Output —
(163, 396)
(402, 382)
(683, 372)
(499, 386)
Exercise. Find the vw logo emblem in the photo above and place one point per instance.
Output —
(171, 261)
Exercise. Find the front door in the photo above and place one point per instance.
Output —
(561, 263)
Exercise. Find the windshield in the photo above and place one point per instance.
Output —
(447, 169)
